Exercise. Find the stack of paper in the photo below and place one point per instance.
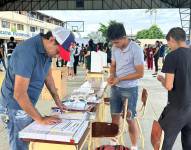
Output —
(71, 115)
(67, 131)
(76, 105)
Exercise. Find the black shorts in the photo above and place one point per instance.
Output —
(173, 121)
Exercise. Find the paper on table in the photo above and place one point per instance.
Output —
(72, 115)
(62, 132)
(76, 105)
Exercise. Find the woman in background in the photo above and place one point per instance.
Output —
(149, 54)
(156, 56)
(91, 47)
(108, 51)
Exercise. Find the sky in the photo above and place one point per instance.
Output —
(134, 20)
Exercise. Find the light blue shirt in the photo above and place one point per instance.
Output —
(126, 61)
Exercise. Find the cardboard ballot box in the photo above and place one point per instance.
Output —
(59, 76)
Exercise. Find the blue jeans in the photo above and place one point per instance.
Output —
(118, 95)
(17, 120)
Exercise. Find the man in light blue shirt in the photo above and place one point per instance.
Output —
(126, 68)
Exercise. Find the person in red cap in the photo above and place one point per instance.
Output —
(28, 70)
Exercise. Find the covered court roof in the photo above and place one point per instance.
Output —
(90, 4)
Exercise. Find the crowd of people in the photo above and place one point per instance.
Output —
(29, 69)
(81, 55)
(6, 51)
(154, 56)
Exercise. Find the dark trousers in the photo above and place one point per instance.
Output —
(150, 63)
(81, 58)
(173, 121)
(156, 64)
(76, 60)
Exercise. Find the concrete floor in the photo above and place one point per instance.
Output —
(156, 102)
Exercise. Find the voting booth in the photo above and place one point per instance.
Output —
(60, 79)
(98, 61)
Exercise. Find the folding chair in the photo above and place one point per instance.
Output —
(140, 115)
(110, 130)
(157, 136)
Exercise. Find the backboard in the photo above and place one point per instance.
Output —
(75, 26)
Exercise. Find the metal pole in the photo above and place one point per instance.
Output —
(189, 25)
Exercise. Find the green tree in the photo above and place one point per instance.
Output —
(142, 34)
(154, 32)
(104, 27)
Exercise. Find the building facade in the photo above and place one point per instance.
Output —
(23, 25)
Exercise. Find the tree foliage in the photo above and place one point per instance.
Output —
(104, 27)
(154, 32)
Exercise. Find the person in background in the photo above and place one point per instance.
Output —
(76, 58)
(144, 51)
(149, 55)
(108, 51)
(70, 64)
(91, 47)
(82, 54)
(2, 56)
(175, 117)
(162, 52)
(10, 48)
(59, 62)
(98, 48)
(156, 57)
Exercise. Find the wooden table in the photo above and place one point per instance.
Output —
(107, 69)
(97, 75)
(86, 138)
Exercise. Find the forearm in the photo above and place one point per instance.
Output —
(49, 82)
(51, 87)
(25, 103)
(132, 76)
(112, 71)
(163, 83)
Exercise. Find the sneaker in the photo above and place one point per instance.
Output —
(154, 74)
(134, 148)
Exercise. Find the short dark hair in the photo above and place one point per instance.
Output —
(12, 38)
(178, 34)
(116, 31)
(46, 35)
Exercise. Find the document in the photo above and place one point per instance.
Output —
(66, 131)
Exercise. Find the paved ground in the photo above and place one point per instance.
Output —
(156, 102)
